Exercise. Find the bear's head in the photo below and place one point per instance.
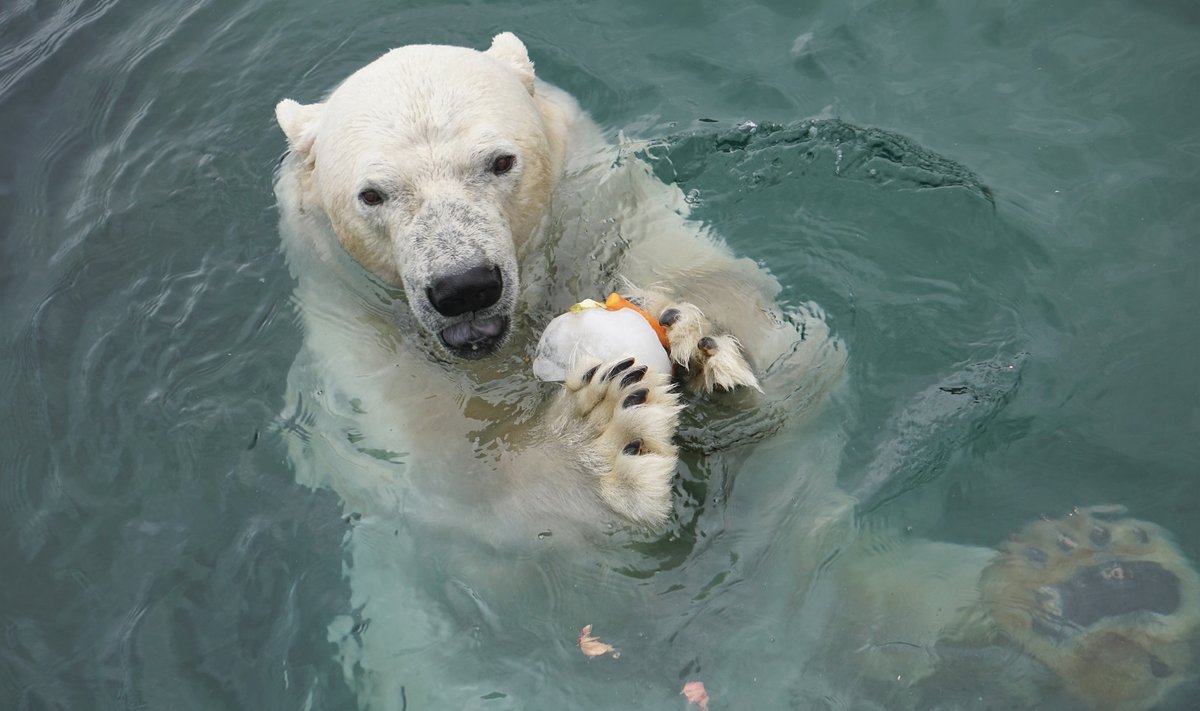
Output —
(433, 164)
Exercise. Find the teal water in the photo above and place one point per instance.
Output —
(1021, 224)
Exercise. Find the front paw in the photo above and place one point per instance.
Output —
(1112, 606)
(626, 416)
(711, 361)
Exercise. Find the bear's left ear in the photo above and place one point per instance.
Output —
(299, 124)
(510, 50)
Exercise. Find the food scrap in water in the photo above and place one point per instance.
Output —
(694, 692)
(592, 647)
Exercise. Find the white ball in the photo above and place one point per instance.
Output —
(599, 333)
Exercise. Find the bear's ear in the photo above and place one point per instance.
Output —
(509, 50)
(299, 124)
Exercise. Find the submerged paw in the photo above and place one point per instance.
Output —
(1111, 605)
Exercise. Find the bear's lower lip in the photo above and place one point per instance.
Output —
(476, 338)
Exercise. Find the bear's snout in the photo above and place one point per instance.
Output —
(468, 297)
(463, 292)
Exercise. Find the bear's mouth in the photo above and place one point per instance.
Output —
(475, 338)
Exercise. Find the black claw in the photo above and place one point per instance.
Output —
(1100, 536)
(587, 377)
(618, 368)
(669, 317)
(633, 448)
(707, 344)
(1036, 555)
(633, 376)
(636, 398)
(1158, 668)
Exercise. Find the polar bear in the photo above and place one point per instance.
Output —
(437, 209)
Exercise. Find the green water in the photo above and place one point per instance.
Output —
(1023, 227)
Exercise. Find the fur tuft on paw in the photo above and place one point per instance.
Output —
(713, 362)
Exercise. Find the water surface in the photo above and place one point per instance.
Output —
(1028, 232)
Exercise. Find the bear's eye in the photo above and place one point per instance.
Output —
(503, 164)
(371, 197)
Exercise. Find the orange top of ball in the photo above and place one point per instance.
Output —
(615, 301)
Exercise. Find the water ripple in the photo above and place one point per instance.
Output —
(49, 37)
(868, 154)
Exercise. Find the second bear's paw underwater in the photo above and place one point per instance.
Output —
(1109, 603)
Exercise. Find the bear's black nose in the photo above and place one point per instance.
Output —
(473, 290)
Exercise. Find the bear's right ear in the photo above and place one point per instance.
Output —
(299, 124)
